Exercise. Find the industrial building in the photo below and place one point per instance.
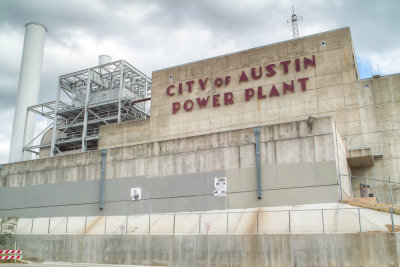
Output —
(285, 124)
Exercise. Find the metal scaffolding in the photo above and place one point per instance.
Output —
(109, 93)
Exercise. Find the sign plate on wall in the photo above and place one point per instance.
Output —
(136, 193)
(220, 186)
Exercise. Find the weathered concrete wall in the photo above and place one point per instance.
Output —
(81, 198)
(377, 127)
(373, 249)
(342, 165)
(366, 111)
(378, 120)
(123, 134)
(324, 95)
(297, 166)
(327, 218)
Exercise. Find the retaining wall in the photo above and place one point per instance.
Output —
(373, 249)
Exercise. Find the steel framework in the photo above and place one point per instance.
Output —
(109, 93)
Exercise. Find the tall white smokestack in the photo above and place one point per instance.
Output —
(28, 89)
(104, 59)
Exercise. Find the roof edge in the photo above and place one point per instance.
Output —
(245, 50)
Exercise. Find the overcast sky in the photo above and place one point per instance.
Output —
(153, 35)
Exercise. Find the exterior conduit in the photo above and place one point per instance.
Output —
(257, 131)
(140, 100)
(103, 172)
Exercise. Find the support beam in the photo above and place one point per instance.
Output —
(85, 120)
(121, 88)
(25, 129)
(97, 116)
(54, 134)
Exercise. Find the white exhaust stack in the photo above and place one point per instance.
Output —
(104, 59)
(28, 89)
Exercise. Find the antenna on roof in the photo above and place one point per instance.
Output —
(293, 19)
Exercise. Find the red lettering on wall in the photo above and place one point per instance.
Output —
(169, 90)
(254, 75)
(260, 94)
(270, 70)
(248, 93)
(189, 84)
(218, 82)
(175, 107)
(285, 65)
(273, 91)
(288, 87)
(202, 101)
(303, 83)
(297, 64)
(310, 62)
(227, 79)
(243, 77)
(216, 100)
(188, 105)
(228, 98)
(180, 88)
(203, 83)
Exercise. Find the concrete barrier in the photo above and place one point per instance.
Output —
(372, 249)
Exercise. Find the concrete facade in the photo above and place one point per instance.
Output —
(297, 166)
(366, 111)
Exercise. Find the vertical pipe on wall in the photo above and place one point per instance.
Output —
(28, 89)
(102, 176)
(257, 131)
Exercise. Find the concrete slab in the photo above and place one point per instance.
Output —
(360, 157)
